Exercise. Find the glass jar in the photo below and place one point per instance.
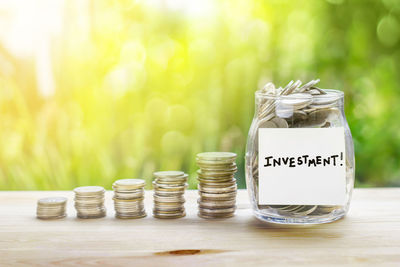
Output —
(299, 155)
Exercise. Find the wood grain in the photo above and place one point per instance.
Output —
(369, 235)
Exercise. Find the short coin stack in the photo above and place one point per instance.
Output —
(89, 202)
(217, 184)
(51, 208)
(128, 198)
(169, 188)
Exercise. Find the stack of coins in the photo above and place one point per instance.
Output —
(169, 188)
(51, 208)
(128, 198)
(217, 184)
(89, 202)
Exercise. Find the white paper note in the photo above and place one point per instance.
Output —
(304, 166)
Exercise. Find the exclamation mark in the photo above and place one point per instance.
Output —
(341, 158)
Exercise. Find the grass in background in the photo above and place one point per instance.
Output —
(121, 89)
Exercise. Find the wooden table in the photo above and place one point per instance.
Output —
(370, 234)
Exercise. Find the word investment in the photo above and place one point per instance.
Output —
(305, 160)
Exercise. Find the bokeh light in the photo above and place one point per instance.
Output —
(92, 91)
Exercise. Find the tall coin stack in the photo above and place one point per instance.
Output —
(169, 188)
(217, 184)
(89, 202)
(51, 208)
(128, 198)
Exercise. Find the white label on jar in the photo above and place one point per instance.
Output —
(303, 166)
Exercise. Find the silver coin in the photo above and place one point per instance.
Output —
(119, 195)
(217, 211)
(169, 216)
(174, 181)
(328, 98)
(170, 187)
(216, 156)
(91, 216)
(51, 217)
(305, 210)
(130, 216)
(158, 198)
(214, 184)
(89, 190)
(297, 100)
(228, 165)
(129, 184)
(229, 195)
(267, 124)
(52, 201)
(280, 123)
(217, 190)
(215, 216)
(216, 204)
(169, 174)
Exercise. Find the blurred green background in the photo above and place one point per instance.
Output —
(92, 91)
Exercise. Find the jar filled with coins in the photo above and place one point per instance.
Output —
(300, 155)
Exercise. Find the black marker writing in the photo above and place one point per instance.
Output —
(304, 160)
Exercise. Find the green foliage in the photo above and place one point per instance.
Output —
(146, 86)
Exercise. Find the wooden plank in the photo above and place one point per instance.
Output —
(369, 235)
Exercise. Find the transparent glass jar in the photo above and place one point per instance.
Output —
(310, 108)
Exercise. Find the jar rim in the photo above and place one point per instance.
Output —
(332, 94)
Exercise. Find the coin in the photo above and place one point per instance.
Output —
(210, 189)
(169, 174)
(217, 211)
(215, 204)
(328, 98)
(50, 208)
(128, 195)
(168, 210)
(89, 190)
(215, 179)
(216, 156)
(178, 198)
(296, 101)
(218, 195)
(169, 216)
(281, 123)
(89, 202)
(129, 184)
(216, 166)
(169, 188)
(128, 198)
(216, 175)
(217, 185)
(131, 216)
(267, 124)
(51, 201)
(215, 216)
(175, 181)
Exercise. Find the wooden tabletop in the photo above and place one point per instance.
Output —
(369, 235)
